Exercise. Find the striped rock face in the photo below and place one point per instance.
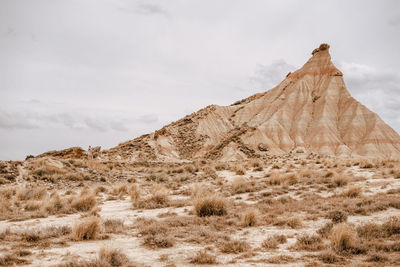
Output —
(311, 110)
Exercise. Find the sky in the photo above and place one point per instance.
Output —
(101, 72)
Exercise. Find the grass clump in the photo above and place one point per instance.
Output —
(353, 192)
(235, 247)
(309, 243)
(273, 242)
(344, 240)
(158, 199)
(240, 185)
(250, 218)
(113, 256)
(338, 216)
(202, 257)
(88, 229)
(85, 202)
(211, 205)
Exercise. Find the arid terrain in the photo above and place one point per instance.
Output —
(296, 210)
(301, 175)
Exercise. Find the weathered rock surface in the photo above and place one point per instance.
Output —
(310, 110)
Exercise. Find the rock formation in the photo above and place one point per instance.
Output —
(310, 110)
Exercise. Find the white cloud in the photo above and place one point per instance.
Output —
(378, 89)
(269, 76)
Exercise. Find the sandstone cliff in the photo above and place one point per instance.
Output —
(311, 110)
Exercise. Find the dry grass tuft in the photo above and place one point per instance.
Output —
(202, 257)
(85, 202)
(294, 223)
(235, 246)
(88, 229)
(113, 256)
(330, 257)
(309, 243)
(134, 193)
(120, 190)
(211, 205)
(272, 242)
(250, 218)
(353, 192)
(338, 216)
(11, 259)
(113, 226)
(158, 199)
(160, 240)
(239, 170)
(340, 180)
(155, 234)
(35, 193)
(344, 240)
(240, 185)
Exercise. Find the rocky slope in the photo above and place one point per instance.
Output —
(311, 110)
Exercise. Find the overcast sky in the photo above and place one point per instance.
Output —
(100, 72)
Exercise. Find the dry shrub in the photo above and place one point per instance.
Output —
(343, 238)
(155, 233)
(210, 205)
(340, 180)
(113, 226)
(10, 259)
(150, 227)
(291, 179)
(202, 257)
(119, 190)
(55, 231)
(392, 226)
(330, 257)
(234, 246)
(113, 256)
(158, 241)
(32, 205)
(275, 179)
(281, 259)
(365, 164)
(35, 193)
(159, 196)
(134, 193)
(338, 216)
(85, 202)
(191, 168)
(387, 229)
(250, 218)
(239, 170)
(377, 258)
(272, 242)
(158, 199)
(309, 243)
(84, 263)
(353, 192)
(31, 235)
(57, 205)
(240, 185)
(46, 170)
(87, 229)
(294, 223)
(199, 190)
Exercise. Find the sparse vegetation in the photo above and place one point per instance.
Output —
(234, 246)
(203, 257)
(210, 205)
(88, 229)
(250, 218)
(228, 211)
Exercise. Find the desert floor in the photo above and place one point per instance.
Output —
(294, 210)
